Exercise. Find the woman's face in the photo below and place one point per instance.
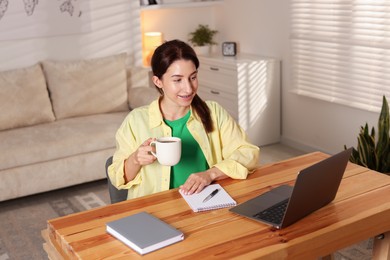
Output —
(179, 83)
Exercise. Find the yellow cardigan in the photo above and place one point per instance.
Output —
(226, 148)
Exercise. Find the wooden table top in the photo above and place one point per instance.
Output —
(360, 210)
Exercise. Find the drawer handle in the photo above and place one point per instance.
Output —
(214, 68)
(214, 92)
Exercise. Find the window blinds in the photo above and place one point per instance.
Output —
(341, 51)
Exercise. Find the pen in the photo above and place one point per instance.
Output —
(212, 194)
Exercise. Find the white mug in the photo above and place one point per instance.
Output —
(168, 150)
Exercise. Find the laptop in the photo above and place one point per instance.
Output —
(315, 187)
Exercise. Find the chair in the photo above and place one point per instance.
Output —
(115, 194)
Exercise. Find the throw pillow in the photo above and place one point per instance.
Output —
(24, 99)
(139, 82)
(86, 87)
(142, 96)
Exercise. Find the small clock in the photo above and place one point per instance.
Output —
(229, 49)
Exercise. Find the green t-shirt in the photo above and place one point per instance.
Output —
(192, 158)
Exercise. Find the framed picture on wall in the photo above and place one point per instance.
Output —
(31, 19)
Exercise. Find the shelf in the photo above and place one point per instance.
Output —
(181, 5)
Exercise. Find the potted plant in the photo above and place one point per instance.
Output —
(202, 38)
(372, 152)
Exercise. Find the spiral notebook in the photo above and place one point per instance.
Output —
(220, 200)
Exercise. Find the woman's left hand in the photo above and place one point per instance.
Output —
(196, 182)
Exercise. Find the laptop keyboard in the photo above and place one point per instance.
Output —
(273, 214)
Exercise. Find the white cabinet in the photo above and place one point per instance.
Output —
(248, 87)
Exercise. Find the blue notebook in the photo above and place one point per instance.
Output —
(143, 232)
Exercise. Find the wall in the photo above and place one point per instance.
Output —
(259, 27)
(262, 27)
(115, 28)
(177, 23)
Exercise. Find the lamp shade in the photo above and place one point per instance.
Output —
(151, 41)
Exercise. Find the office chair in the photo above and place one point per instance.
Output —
(115, 194)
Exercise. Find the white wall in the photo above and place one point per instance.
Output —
(177, 23)
(259, 27)
(114, 29)
(262, 27)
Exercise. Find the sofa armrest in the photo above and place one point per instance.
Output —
(141, 96)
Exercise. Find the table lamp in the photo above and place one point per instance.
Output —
(151, 41)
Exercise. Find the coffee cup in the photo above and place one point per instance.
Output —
(168, 150)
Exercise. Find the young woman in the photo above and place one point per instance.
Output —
(213, 145)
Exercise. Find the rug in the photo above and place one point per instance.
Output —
(21, 221)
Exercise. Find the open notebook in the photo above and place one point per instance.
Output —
(220, 200)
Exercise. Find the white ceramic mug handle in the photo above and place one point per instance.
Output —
(151, 144)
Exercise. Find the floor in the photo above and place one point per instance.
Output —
(277, 152)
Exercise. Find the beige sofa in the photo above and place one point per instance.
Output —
(58, 121)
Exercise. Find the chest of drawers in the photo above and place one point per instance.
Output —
(248, 87)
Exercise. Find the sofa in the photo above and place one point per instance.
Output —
(59, 118)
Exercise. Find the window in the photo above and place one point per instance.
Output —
(341, 51)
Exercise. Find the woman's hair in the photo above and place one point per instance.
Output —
(166, 54)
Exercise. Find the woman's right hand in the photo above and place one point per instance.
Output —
(142, 156)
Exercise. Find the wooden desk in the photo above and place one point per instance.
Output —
(361, 210)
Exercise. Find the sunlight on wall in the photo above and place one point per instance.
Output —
(16, 54)
(253, 98)
(116, 28)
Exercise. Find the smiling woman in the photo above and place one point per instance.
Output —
(179, 85)
(214, 146)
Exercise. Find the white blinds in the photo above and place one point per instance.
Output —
(341, 51)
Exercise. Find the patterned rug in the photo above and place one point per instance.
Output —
(21, 221)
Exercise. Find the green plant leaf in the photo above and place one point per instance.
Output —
(363, 146)
(202, 36)
(371, 152)
(383, 128)
(385, 165)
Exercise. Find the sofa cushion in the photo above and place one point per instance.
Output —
(24, 99)
(59, 139)
(139, 77)
(142, 96)
(141, 90)
(86, 87)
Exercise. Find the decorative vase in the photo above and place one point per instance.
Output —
(202, 50)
